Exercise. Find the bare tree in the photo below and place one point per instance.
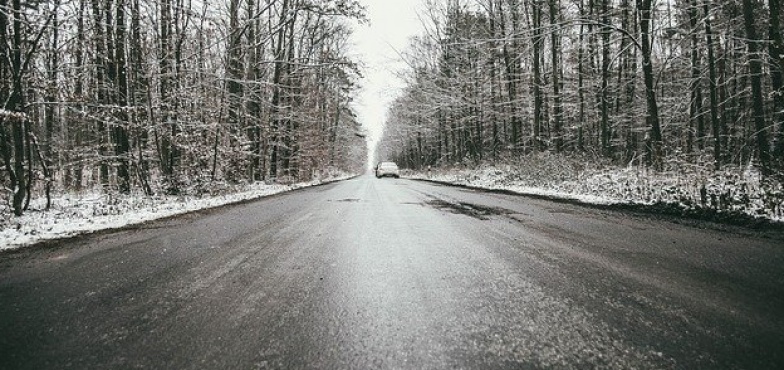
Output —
(755, 64)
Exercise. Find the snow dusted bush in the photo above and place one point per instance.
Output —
(684, 186)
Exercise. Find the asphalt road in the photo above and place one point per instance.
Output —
(390, 273)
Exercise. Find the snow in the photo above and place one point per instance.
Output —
(686, 187)
(11, 114)
(733, 190)
(87, 212)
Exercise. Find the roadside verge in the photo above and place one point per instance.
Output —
(88, 213)
(702, 217)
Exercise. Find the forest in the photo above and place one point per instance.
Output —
(174, 96)
(655, 84)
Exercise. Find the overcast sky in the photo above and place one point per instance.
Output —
(392, 23)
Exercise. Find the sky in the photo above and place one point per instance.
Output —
(378, 45)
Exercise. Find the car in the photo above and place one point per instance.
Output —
(384, 169)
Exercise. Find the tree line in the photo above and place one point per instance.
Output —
(170, 96)
(632, 81)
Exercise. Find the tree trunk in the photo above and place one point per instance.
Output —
(776, 52)
(644, 6)
(492, 66)
(554, 53)
(138, 87)
(234, 74)
(100, 80)
(580, 82)
(275, 114)
(603, 94)
(288, 159)
(15, 104)
(50, 112)
(714, 105)
(6, 144)
(167, 146)
(79, 129)
(537, 76)
(758, 104)
(253, 129)
(695, 108)
(122, 145)
(511, 63)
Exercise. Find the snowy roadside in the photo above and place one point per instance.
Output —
(730, 194)
(85, 213)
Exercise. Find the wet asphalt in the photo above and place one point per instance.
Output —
(397, 274)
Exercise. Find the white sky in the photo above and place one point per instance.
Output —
(377, 45)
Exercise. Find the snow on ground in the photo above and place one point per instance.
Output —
(732, 191)
(89, 212)
(736, 191)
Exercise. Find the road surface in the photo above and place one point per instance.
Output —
(392, 273)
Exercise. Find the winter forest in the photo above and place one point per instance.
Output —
(627, 80)
(174, 96)
(692, 88)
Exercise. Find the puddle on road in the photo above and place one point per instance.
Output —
(473, 210)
